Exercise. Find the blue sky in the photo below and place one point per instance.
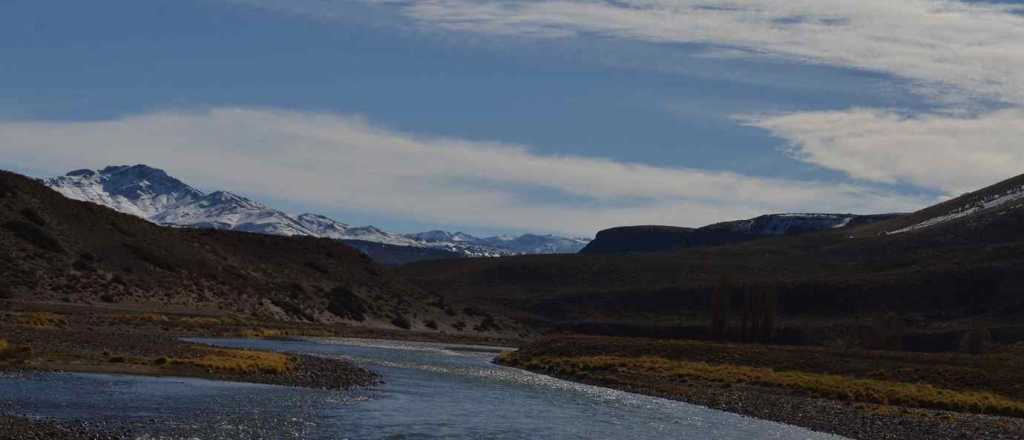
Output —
(507, 116)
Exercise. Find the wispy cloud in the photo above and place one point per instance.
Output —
(973, 49)
(964, 57)
(338, 162)
(949, 153)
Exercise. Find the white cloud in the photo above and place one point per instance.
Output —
(962, 56)
(972, 49)
(337, 162)
(950, 153)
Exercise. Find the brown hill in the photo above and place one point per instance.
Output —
(967, 266)
(59, 250)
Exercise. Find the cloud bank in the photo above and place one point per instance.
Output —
(951, 154)
(334, 162)
(970, 49)
(966, 57)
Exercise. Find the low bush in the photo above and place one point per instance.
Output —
(262, 333)
(401, 321)
(345, 304)
(151, 257)
(431, 324)
(241, 362)
(42, 320)
(33, 216)
(34, 236)
(488, 324)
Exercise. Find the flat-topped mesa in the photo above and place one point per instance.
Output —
(637, 239)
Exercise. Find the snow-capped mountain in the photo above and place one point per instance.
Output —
(500, 245)
(138, 190)
(152, 194)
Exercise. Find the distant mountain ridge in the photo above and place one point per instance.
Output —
(156, 196)
(633, 239)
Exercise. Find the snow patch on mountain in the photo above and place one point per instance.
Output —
(985, 204)
(137, 190)
(783, 224)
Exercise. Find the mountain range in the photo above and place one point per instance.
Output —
(154, 195)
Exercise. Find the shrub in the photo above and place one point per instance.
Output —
(401, 321)
(977, 340)
(487, 325)
(720, 310)
(141, 317)
(460, 326)
(317, 267)
(34, 236)
(886, 333)
(33, 216)
(200, 321)
(241, 361)
(6, 350)
(150, 257)
(42, 320)
(345, 304)
(473, 311)
(431, 324)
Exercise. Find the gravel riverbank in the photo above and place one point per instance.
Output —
(646, 367)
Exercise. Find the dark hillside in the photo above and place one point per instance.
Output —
(59, 250)
(951, 271)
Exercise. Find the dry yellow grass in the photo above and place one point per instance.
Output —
(141, 317)
(201, 321)
(4, 346)
(262, 333)
(241, 361)
(42, 320)
(823, 385)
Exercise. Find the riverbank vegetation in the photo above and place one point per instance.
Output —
(241, 361)
(865, 388)
(830, 386)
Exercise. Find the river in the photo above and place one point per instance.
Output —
(431, 391)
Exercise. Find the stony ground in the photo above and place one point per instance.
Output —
(857, 420)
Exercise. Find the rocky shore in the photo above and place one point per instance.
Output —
(567, 358)
(20, 428)
(855, 421)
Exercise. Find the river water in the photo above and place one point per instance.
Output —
(431, 391)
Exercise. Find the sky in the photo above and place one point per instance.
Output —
(505, 116)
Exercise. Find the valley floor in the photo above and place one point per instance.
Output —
(76, 338)
(860, 395)
(854, 393)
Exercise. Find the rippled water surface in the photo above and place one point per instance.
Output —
(432, 391)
